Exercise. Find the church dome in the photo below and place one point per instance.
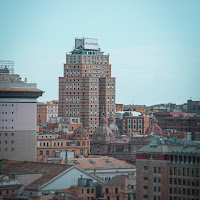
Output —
(103, 133)
(153, 129)
(80, 131)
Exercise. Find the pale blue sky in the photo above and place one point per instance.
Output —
(154, 46)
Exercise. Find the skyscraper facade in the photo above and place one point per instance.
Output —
(87, 88)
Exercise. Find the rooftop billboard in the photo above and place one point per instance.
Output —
(91, 44)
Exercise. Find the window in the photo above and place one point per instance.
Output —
(145, 196)
(145, 178)
(145, 187)
(92, 190)
(170, 171)
(175, 170)
(154, 170)
(179, 171)
(88, 191)
(145, 167)
(41, 152)
(116, 190)
(188, 171)
(193, 172)
(47, 153)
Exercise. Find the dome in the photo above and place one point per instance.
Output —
(80, 131)
(153, 128)
(103, 133)
(104, 130)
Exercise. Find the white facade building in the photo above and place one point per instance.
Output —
(18, 115)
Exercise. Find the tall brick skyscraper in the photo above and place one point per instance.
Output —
(87, 88)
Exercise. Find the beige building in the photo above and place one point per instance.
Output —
(45, 111)
(53, 148)
(87, 88)
(18, 115)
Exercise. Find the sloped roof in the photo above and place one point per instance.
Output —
(49, 170)
(99, 162)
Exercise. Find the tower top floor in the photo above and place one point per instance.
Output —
(87, 51)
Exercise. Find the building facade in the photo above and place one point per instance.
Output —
(168, 171)
(136, 124)
(53, 148)
(18, 116)
(180, 121)
(87, 87)
(45, 111)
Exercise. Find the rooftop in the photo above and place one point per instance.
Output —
(99, 162)
(176, 147)
(48, 170)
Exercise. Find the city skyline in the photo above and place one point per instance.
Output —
(154, 47)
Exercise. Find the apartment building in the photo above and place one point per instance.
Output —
(52, 147)
(18, 115)
(182, 122)
(45, 111)
(168, 170)
(87, 88)
(136, 124)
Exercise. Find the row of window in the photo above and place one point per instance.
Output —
(6, 142)
(184, 171)
(89, 75)
(182, 198)
(7, 134)
(6, 104)
(7, 149)
(10, 78)
(47, 144)
(184, 182)
(6, 120)
(4, 113)
(6, 127)
(184, 191)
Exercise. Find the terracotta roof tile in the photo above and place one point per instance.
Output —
(99, 162)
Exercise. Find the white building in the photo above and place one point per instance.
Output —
(18, 115)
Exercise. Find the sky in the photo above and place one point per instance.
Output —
(154, 46)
